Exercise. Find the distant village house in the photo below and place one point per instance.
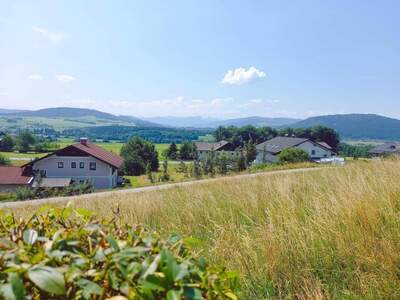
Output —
(385, 149)
(268, 151)
(79, 162)
(217, 148)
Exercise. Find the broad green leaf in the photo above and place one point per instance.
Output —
(89, 288)
(30, 236)
(153, 266)
(84, 212)
(192, 293)
(231, 296)
(113, 243)
(17, 286)
(7, 292)
(174, 295)
(171, 268)
(47, 279)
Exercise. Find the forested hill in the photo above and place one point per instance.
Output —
(357, 126)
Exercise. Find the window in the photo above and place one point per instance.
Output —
(42, 173)
(60, 165)
(73, 165)
(81, 165)
(92, 166)
(312, 152)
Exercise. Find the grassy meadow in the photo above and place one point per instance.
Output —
(323, 234)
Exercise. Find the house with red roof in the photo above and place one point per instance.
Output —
(12, 178)
(83, 161)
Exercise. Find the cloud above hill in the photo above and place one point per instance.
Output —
(240, 76)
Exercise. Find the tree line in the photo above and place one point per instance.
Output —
(26, 141)
(240, 136)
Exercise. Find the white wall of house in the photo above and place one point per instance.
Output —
(102, 178)
(314, 151)
(265, 158)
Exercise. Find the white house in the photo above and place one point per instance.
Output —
(217, 148)
(267, 152)
(80, 162)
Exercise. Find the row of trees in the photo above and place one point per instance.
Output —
(239, 136)
(25, 141)
(187, 151)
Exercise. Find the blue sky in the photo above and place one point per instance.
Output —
(211, 58)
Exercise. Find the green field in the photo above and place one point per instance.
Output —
(115, 147)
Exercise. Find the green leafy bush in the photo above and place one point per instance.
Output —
(293, 155)
(67, 254)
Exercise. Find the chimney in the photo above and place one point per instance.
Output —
(83, 140)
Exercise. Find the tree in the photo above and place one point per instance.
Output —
(196, 170)
(241, 162)
(251, 152)
(293, 155)
(209, 164)
(222, 164)
(182, 168)
(137, 153)
(186, 151)
(149, 173)
(7, 143)
(4, 161)
(25, 140)
(172, 151)
(165, 176)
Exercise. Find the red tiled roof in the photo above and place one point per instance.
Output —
(100, 153)
(15, 175)
(89, 149)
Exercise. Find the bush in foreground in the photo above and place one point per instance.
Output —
(66, 254)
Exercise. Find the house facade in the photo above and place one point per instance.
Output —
(80, 162)
(203, 149)
(268, 151)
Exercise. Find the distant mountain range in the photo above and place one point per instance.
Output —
(349, 126)
(81, 116)
(200, 122)
(357, 126)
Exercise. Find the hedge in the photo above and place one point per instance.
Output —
(68, 254)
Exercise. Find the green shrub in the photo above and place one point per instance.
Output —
(67, 254)
(4, 161)
(293, 155)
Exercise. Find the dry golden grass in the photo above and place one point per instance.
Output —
(332, 233)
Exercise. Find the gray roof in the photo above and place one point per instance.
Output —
(277, 144)
(386, 148)
(53, 182)
(202, 146)
(323, 144)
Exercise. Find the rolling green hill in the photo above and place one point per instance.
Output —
(357, 126)
(62, 118)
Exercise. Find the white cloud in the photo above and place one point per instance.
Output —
(65, 78)
(54, 37)
(256, 101)
(35, 77)
(242, 76)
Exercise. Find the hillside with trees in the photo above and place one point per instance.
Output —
(357, 126)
